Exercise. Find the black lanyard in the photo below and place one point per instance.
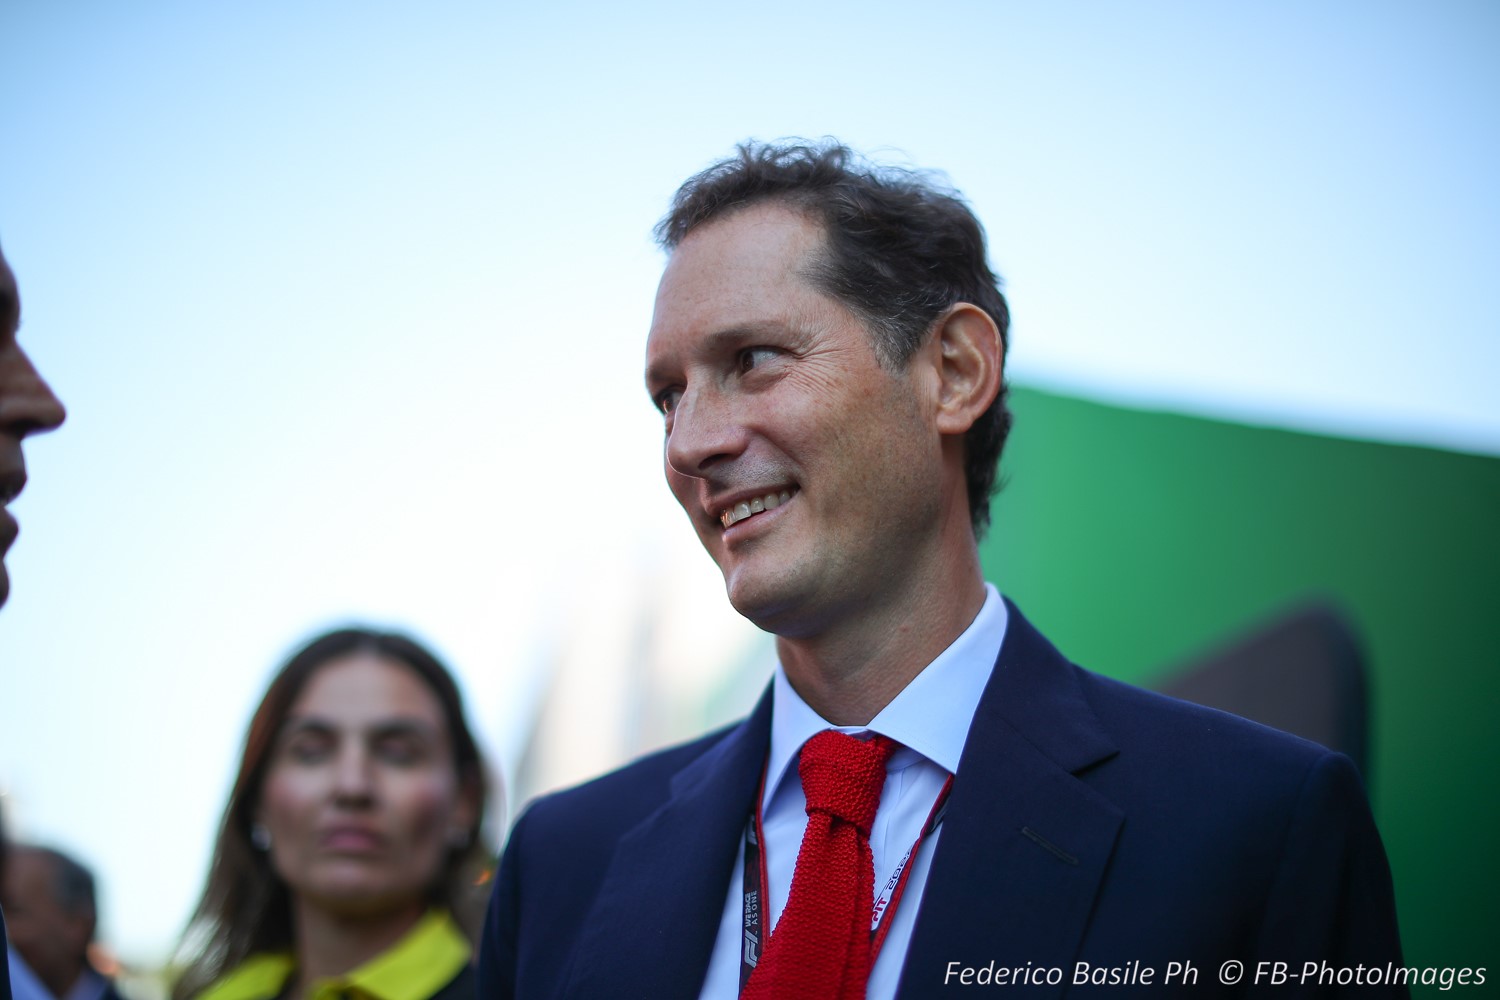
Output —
(756, 905)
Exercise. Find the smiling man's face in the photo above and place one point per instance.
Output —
(810, 471)
(27, 406)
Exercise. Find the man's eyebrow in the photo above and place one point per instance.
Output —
(745, 331)
(718, 340)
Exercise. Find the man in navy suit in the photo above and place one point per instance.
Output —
(827, 353)
(53, 917)
(27, 407)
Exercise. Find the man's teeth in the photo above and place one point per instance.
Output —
(740, 511)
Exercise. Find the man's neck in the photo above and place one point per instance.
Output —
(848, 674)
(76, 978)
(60, 982)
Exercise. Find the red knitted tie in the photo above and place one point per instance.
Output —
(820, 947)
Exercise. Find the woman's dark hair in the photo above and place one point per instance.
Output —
(246, 907)
(900, 248)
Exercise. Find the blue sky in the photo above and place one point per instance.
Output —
(347, 302)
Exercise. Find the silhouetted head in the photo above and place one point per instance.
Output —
(27, 406)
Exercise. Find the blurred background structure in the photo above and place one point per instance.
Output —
(348, 300)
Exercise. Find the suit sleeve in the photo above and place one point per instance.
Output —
(1330, 906)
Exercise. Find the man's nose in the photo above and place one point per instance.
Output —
(705, 430)
(27, 404)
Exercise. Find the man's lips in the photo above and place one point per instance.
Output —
(11, 485)
(740, 510)
(12, 482)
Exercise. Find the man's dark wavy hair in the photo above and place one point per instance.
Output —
(901, 247)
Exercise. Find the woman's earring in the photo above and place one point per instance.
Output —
(260, 836)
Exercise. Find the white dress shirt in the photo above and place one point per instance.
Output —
(24, 984)
(89, 986)
(930, 719)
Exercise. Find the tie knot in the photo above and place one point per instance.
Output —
(843, 776)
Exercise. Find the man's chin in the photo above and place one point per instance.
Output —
(750, 600)
(770, 606)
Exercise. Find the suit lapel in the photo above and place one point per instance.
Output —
(653, 926)
(1024, 844)
(1023, 848)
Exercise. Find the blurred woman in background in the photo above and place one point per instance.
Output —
(349, 855)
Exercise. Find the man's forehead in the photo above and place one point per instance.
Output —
(735, 270)
(29, 864)
(769, 239)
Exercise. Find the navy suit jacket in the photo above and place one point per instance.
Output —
(4, 962)
(1089, 822)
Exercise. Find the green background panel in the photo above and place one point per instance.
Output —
(1137, 540)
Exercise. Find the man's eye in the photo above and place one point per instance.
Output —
(752, 357)
(666, 401)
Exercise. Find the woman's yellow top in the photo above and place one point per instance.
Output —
(431, 954)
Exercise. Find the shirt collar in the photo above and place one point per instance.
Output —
(88, 986)
(259, 977)
(24, 983)
(420, 964)
(921, 718)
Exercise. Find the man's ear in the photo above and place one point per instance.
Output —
(970, 366)
(80, 925)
